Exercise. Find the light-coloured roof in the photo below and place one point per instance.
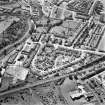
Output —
(18, 72)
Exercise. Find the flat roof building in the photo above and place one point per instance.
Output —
(17, 72)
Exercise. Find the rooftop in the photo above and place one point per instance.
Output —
(17, 72)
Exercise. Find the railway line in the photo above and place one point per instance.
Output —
(53, 79)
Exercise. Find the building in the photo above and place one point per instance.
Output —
(78, 93)
(57, 13)
(80, 6)
(17, 72)
(102, 18)
(29, 45)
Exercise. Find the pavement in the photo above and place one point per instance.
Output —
(37, 83)
(25, 36)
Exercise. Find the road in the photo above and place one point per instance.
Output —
(93, 92)
(25, 36)
(47, 80)
(38, 83)
(33, 85)
(83, 50)
(91, 9)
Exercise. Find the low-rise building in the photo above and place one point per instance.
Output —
(57, 13)
(17, 72)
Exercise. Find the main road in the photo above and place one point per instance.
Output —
(36, 83)
(33, 85)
